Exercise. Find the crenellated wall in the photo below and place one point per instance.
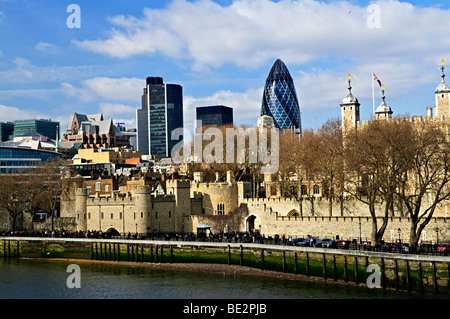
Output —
(186, 206)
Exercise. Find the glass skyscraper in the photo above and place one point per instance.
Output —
(44, 127)
(161, 113)
(280, 98)
(216, 115)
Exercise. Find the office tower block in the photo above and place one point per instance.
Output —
(216, 115)
(280, 98)
(161, 113)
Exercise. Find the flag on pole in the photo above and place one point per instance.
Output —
(376, 79)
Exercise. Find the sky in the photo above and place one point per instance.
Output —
(221, 52)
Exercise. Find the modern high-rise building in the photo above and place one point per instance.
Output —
(44, 127)
(280, 98)
(6, 131)
(161, 113)
(216, 115)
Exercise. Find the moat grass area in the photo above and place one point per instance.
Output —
(396, 274)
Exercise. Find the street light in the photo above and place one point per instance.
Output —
(399, 243)
(360, 238)
(437, 236)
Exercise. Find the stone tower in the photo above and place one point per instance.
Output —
(442, 97)
(143, 205)
(383, 111)
(181, 190)
(349, 110)
(80, 208)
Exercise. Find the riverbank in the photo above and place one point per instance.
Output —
(223, 269)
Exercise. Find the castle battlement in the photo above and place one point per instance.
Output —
(128, 199)
(180, 183)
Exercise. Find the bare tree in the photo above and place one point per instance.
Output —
(425, 182)
(373, 162)
(14, 196)
(329, 162)
(52, 184)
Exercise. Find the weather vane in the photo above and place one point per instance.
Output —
(349, 78)
(442, 65)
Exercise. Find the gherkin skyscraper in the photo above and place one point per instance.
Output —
(280, 98)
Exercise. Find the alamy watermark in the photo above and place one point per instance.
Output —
(74, 19)
(374, 16)
(236, 146)
(374, 279)
(74, 279)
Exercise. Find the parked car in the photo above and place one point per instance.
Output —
(317, 242)
(329, 243)
(443, 248)
(344, 244)
(296, 241)
(301, 241)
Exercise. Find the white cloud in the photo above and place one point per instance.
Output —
(120, 113)
(12, 113)
(116, 89)
(47, 48)
(121, 89)
(83, 94)
(249, 33)
(24, 71)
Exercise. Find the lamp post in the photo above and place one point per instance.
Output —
(360, 238)
(399, 243)
(437, 236)
(228, 230)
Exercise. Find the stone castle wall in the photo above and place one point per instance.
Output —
(185, 207)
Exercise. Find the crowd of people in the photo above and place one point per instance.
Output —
(246, 237)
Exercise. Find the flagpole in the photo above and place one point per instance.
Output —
(373, 93)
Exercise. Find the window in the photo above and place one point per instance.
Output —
(220, 209)
(273, 190)
(142, 215)
(170, 213)
(304, 190)
(111, 215)
(97, 186)
(106, 188)
(316, 189)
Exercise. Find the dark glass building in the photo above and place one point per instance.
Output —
(13, 159)
(216, 115)
(6, 131)
(161, 113)
(280, 98)
(44, 127)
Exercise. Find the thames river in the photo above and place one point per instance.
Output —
(31, 279)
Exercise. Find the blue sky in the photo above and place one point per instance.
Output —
(220, 52)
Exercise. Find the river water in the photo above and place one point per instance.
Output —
(31, 279)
